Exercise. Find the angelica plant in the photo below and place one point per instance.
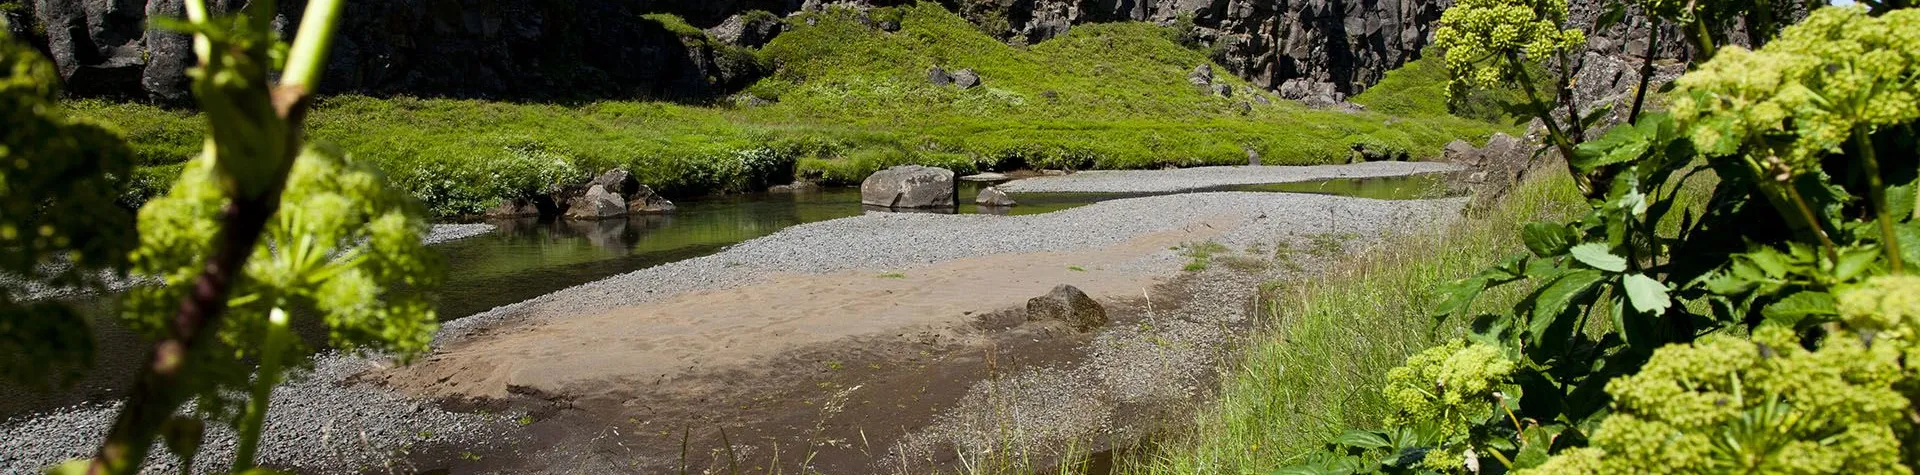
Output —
(1490, 43)
(261, 229)
(1446, 391)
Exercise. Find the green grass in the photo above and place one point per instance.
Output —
(1319, 365)
(851, 99)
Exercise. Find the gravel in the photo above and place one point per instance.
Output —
(320, 425)
(1189, 179)
(451, 232)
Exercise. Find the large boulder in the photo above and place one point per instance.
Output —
(909, 187)
(752, 29)
(597, 203)
(1068, 304)
(619, 181)
(1494, 169)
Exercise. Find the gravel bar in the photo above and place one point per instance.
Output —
(1189, 179)
(320, 425)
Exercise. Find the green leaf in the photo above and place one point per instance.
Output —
(70, 467)
(1800, 306)
(1459, 295)
(1854, 261)
(1362, 439)
(1552, 302)
(1646, 294)
(1534, 443)
(1547, 239)
(1596, 255)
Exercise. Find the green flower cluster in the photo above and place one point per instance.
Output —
(1888, 308)
(1807, 92)
(1482, 38)
(1445, 391)
(1766, 405)
(343, 245)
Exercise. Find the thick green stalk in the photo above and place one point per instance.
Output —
(261, 394)
(1877, 191)
(162, 385)
(308, 55)
(1542, 111)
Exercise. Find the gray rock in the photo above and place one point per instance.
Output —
(1223, 90)
(597, 203)
(939, 77)
(618, 181)
(751, 29)
(798, 186)
(987, 176)
(991, 196)
(1067, 303)
(910, 186)
(645, 201)
(1201, 75)
(1261, 99)
(1461, 152)
(1253, 157)
(966, 79)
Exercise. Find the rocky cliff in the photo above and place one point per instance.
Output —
(1316, 50)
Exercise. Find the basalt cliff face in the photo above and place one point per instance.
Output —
(1314, 50)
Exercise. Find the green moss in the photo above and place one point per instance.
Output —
(677, 25)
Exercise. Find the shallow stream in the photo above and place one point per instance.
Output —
(527, 258)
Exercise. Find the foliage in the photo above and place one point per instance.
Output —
(851, 99)
(59, 225)
(1727, 404)
(1630, 344)
(260, 229)
(1318, 364)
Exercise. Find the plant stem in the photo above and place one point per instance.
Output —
(261, 393)
(308, 55)
(1813, 221)
(1545, 114)
(1877, 191)
(1646, 68)
(165, 379)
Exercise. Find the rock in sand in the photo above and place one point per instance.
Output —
(1068, 304)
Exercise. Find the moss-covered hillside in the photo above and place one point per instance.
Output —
(848, 98)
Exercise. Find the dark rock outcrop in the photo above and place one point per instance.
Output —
(1068, 304)
(644, 201)
(462, 48)
(910, 187)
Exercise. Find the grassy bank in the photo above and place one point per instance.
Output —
(1318, 368)
(848, 99)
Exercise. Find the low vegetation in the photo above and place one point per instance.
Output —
(846, 99)
(1723, 288)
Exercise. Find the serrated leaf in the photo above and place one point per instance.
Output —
(1547, 239)
(1551, 303)
(1459, 295)
(1534, 444)
(1854, 261)
(1362, 439)
(1598, 256)
(1801, 306)
(1646, 294)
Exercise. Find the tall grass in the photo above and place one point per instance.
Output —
(851, 99)
(1318, 368)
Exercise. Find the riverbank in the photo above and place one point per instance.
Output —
(935, 336)
(849, 98)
